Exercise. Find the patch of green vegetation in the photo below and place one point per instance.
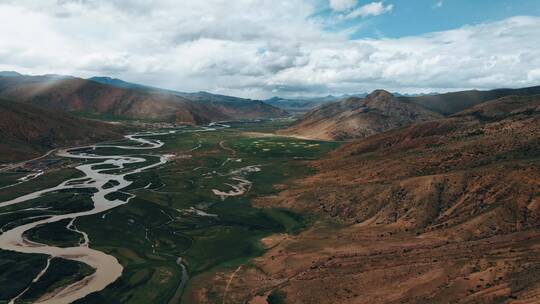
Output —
(51, 204)
(45, 181)
(10, 178)
(276, 297)
(54, 233)
(181, 142)
(17, 270)
(136, 234)
(265, 125)
(281, 147)
(143, 179)
(110, 184)
(292, 222)
(117, 195)
(60, 273)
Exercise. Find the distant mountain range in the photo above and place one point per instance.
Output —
(9, 74)
(359, 117)
(450, 103)
(119, 83)
(36, 112)
(382, 111)
(303, 104)
(293, 105)
(114, 97)
(201, 96)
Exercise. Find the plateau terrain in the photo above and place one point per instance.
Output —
(418, 207)
(442, 211)
(270, 152)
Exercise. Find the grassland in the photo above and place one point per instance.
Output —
(17, 271)
(41, 182)
(176, 214)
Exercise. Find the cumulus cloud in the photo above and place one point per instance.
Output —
(371, 9)
(257, 48)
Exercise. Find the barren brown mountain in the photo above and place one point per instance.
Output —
(445, 211)
(27, 131)
(379, 112)
(359, 117)
(81, 95)
(451, 103)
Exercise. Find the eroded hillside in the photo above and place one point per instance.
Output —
(437, 212)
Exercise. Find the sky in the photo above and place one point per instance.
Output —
(263, 48)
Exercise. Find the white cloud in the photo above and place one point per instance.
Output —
(534, 75)
(371, 9)
(256, 48)
(439, 4)
(342, 5)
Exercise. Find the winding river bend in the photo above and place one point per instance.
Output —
(107, 268)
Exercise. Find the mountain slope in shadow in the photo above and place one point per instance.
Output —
(27, 131)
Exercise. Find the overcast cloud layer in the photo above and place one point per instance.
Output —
(260, 48)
